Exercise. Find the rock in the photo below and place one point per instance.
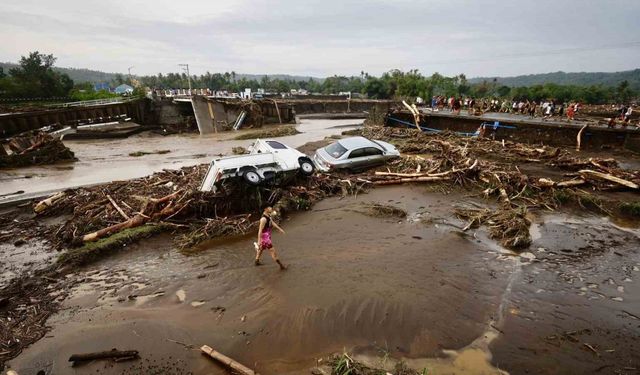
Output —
(182, 295)
(527, 255)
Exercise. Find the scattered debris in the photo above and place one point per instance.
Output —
(142, 153)
(272, 132)
(39, 148)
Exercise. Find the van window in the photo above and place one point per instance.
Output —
(276, 145)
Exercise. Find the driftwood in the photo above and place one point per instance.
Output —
(115, 205)
(244, 370)
(140, 218)
(412, 179)
(43, 204)
(609, 177)
(113, 353)
(416, 115)
(579, 138)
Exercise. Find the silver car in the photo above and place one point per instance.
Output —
(354, 153)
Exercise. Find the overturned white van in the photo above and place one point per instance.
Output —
(265, 160)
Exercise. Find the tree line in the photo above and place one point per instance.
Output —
(34, 77)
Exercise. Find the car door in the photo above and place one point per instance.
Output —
(373, 156)
(355, 158)
(283, 155)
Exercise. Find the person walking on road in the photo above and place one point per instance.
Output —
(264, 237)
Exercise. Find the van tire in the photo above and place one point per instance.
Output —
(251, 177)
(306, 167)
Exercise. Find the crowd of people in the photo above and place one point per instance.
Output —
(545, 109)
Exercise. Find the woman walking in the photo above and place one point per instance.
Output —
(264, 237)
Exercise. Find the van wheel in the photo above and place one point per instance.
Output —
(306, 167)
(251, 177)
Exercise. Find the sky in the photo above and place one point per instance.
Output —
(326, 37)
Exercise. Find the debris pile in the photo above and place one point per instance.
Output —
(468, 163)
(272, 132)
(38, 148)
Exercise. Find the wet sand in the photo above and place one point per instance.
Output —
(108, 160)
(416, 289)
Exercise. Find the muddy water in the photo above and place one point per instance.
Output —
(397, 286)
(108, 160)
(416, 289)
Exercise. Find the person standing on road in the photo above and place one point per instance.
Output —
(264, 237)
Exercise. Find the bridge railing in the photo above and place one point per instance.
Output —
(89, 103)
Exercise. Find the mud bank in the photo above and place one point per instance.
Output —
(416, 289)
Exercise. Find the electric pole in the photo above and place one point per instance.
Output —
(129, 69)
(186, 67)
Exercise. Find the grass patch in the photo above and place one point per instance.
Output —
(630, 208)
(383, 210)
(143, 153)
(280, 131)
(345, 365)
(91, 251)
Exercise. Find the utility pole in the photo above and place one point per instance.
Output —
(186, 67)
(129, 69)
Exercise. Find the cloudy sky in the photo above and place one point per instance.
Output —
(326, 37)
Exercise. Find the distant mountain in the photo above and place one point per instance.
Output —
(77, 75)
(562, 78)
(93, 76)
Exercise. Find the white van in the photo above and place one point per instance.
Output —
(266, 159)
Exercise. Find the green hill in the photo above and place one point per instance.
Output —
(562, 78)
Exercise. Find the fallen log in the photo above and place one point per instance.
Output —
(571, 183)
(244, 370)
(113, 353)
(414, 179)
(44, 204)
(608, 177)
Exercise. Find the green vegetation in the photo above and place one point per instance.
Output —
(630, 208)
(34, 77)
(92, 250)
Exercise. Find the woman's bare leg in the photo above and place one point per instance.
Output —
(274, 255)
(258, 255)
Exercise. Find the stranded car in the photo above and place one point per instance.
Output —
(265, 160)
(354, 153)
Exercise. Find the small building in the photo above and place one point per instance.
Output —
(123, 89)
(101, 86)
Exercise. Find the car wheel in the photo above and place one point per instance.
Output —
(307, 167)
(251, 177)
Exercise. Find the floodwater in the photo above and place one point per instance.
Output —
(417, 289)
(108, 160)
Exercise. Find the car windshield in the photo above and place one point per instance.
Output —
(335, 150)
(276, 145)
